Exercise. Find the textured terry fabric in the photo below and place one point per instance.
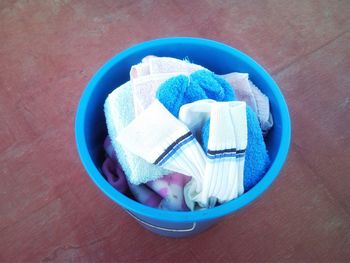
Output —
(200, 85)
(119, 112)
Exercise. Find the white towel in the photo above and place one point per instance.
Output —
(119, 112)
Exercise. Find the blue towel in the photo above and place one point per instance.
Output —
(204, 84)
(119, 112)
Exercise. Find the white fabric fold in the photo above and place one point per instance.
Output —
(228, 137)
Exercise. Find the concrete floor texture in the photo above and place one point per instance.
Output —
(51, 211)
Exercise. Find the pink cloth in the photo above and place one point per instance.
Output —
(171, 188)
(164, 193)
(147, 76)
(245, 90)
(115, 175)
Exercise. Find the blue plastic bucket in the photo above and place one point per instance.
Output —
(90, 127)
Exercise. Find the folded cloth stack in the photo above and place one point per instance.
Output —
(178, 132)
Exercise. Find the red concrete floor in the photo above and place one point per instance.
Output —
(51, 211)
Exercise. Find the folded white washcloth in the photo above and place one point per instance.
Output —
(119, 112)
(159, 138)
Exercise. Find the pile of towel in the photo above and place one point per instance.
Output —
(182, 138)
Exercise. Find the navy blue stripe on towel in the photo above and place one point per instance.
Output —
(178, 142)
(232, 152)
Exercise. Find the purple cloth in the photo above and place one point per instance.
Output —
(115, 175)
(164, 193)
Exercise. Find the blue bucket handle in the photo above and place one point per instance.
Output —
(163, 228)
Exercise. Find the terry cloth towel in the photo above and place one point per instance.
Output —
(246, 91)
(202, 84)
(181, 90)
(163, 140)
(164, 193)
(159, 65)
(119, 112)
(147, 76)
(160, 138)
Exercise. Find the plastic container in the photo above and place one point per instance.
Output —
(90, 127)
